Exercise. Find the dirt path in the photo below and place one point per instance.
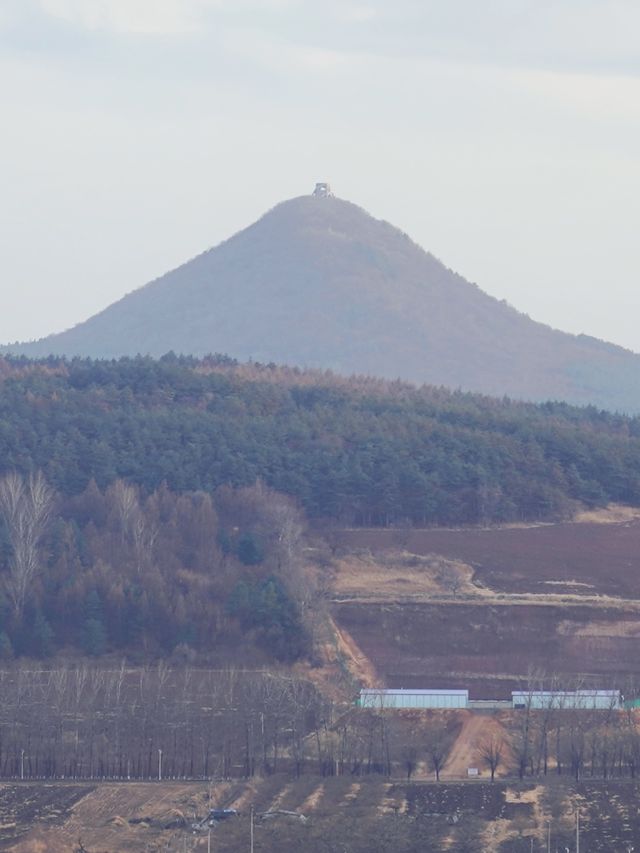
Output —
(503, 599)
(356, 661)
(465, 751)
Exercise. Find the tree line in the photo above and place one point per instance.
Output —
(356, 451)
(88, 722)
(85, 721)
(562, 740)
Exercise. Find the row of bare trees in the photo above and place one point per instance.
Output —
(88, 722)
(561, 740)
(142, 723)
(367, 741)
(92, 722)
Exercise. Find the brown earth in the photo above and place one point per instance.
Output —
(601, 558)
(487, 608)
(492, 649)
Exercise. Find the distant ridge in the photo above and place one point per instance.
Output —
(317, 282)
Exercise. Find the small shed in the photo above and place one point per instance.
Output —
(322, 190)
(382, 698)
(565, 700)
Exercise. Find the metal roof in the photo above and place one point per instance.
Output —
(565, 692)
(372, 691)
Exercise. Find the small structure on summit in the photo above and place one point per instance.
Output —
(322, 190)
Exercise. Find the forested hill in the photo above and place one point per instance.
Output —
(358, 451)
(319, 283)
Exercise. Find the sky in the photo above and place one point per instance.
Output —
(503, 136)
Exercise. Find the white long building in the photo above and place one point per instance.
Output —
(563, 700)
(407, 698)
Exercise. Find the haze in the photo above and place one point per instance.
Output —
(502, 136)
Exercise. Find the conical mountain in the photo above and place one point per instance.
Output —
(317, 282)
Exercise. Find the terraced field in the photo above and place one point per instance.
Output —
(485, 608)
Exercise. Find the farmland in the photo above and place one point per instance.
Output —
(585, 558)
(341, 814)
(487, 609)
(484, 608)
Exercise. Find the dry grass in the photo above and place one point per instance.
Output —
(497, 833)
(622, 628)
(406, 578)
(277, 802)
(352, 793)
(612, 514)
(390, 803)
(102, 818)
(390, 575)
(314, 799)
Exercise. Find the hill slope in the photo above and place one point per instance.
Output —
(363, 452)
(317, 282)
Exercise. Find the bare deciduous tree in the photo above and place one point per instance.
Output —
(437, 749)
(491, 752)
(25, 505)
(125, 498)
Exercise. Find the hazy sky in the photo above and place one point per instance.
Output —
(502, 135)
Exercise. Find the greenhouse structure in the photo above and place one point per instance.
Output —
(409, 698)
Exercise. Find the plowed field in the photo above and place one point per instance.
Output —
(484, 609)
(578, 558)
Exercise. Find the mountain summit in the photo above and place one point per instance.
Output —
(317, 282)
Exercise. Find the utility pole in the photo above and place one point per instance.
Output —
(209, 843)
(577, 828)
(159, 765)
(22, 763)
(549, 837)
(251, 847)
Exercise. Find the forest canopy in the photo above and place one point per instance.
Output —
(188, 575)
(354, 451)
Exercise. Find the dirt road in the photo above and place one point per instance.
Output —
(465, 753)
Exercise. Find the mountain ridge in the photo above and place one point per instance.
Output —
(319, 283)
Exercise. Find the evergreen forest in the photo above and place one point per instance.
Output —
(358, 452)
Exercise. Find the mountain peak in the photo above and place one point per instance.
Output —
(318, 282)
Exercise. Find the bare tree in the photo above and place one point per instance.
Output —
(491, 752)
(437, 749)
(448, 576)
(125, 498)
(577, 744)
(410, 756)
(144, 535)
(26, 507)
